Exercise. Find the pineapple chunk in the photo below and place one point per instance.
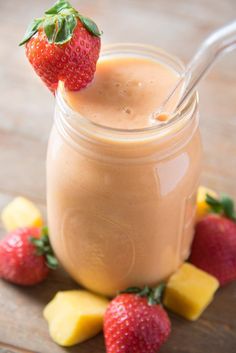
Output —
(189, 291)
(202, 207)
(75, 316)
(21, 213)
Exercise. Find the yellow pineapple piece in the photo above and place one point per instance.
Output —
(21, 212)
(202, 207)
(75, 316)
(189, 291)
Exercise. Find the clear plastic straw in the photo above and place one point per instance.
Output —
(218, 43)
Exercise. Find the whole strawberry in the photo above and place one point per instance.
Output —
(135, 324)
(214, 244)
(63, 46)
(26, 256)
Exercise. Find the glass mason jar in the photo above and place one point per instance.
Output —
(121, 203)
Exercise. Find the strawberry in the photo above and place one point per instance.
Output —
(26, 256)
(135, 323)
(63, 45)
(214, 244)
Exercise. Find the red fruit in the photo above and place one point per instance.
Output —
(63, 45)
(20, 262)
(214, 247)
(131, 325)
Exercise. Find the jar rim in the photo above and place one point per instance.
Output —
(182, 116)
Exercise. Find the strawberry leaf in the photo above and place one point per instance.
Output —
(58, 7)
(44, 231)
(144, 292)
(71, 22)
(59, 23)
(153, 295)
(37, 242)
(31, 30)
(132, 290)
(158, 293)
(50, 27)
(90, 25)
(223, 206)
(214, 203)
(59, 29)
(52, 262)
(66, 31)
(228, 207)
(63, 33)
(43, 248)
(150, 299)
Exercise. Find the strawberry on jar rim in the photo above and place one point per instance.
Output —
(63, 45)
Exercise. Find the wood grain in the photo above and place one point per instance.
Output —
(26, 115)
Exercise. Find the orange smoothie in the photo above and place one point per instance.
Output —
(121, 203)
(125, 92)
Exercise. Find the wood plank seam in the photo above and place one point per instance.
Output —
(8, 348)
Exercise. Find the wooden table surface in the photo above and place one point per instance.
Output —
(26, 115)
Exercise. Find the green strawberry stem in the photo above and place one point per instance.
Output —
(223, 206)
(153, 295)
(43, 247)
(59, 23)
